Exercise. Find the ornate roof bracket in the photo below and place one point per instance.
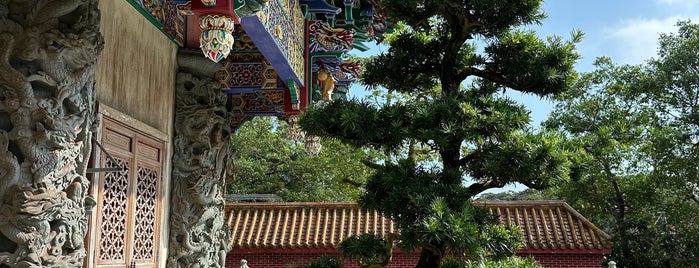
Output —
(278, 34)
(321, 7)
(349, 18)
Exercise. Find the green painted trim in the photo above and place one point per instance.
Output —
(348, 13)
(152, 20)
(304, 10)
(292, 90)
(360, 46)
(284, 9)
(237, 4)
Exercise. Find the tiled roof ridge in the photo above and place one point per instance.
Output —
(293, 204)
(563, 203)
(545, 224)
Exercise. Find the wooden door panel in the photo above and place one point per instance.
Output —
(144, 246)
(114, 212)
(128, 209)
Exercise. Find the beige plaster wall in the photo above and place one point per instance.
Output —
(135, 84)
(137, 68)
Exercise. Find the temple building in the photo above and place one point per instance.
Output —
(279, 234)
(115, 117)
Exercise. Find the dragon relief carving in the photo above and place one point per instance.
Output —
(328, 39)
(48, 52)
(199, 236)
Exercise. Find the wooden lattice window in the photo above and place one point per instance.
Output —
(128, 200)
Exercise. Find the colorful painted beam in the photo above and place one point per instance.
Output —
(164, 15)
(277, 31)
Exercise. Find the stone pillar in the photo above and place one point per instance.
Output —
(48, 52)
(199, 236)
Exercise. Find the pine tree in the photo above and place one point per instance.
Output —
(453, 60)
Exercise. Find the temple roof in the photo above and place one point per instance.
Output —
(550, 224)
(545, 225)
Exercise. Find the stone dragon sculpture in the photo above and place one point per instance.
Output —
(48, 52)
(199, 236)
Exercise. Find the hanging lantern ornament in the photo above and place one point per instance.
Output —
(216, 40)
(295, 132)
(313, 145)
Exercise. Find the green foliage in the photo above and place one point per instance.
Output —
(447, 68)
(509, 262)
(267, 162)
(369, 250)
(605, 118)
(637, 176)
(324, 261)
(526, 194)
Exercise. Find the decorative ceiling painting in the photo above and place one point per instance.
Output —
(285, 54)
(245, 71)
(164, 15)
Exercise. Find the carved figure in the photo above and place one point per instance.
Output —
(352, 68)
(327, 38)
(327, 81)
(199, 236)
(48, 51)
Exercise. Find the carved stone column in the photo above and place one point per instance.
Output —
(48, 51)
(199, 236)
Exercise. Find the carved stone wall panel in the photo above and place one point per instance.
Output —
(199, 236)
(48, 52)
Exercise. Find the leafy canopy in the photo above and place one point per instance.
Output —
(267, 161)
(638, 128)
(451, 61)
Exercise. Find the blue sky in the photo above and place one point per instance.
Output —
(624, 30)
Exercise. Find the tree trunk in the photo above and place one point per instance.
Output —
(48, 53)
(429, 259)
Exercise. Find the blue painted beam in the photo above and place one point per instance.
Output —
(267, 45)
(321, 6)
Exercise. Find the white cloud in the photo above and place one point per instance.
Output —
(636, 40)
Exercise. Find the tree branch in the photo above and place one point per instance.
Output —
(371, 164)
(479, 187)
(492, 77)
(468, 158)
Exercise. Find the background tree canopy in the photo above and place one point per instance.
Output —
(452, 60)
(638, 127)
(268, 161)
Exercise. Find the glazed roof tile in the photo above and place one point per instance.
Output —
(545, 225)
(550, 225)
